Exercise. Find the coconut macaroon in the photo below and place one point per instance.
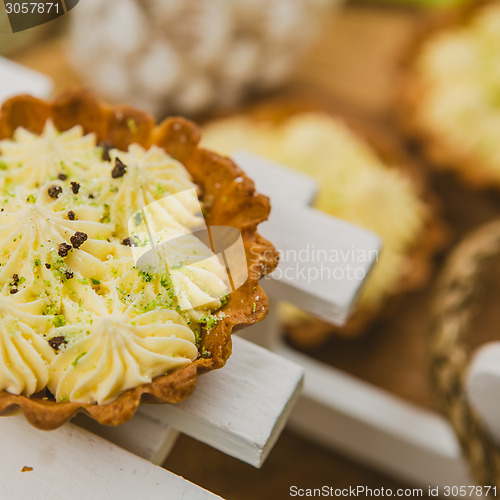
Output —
(356, 185)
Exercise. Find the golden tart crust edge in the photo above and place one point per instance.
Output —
(242, 208)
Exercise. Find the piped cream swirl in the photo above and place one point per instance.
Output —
(24, 354)
(120, 352)
(33, 159)
(77, 314)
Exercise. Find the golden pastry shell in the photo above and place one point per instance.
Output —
(228, 203)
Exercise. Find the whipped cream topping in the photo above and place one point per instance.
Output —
(33, 159)
(78, 314)
(25, 355)
(150, 176)
(117, 352)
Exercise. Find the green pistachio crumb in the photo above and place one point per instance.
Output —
(132, 125)
(80, 356)
(59, 321)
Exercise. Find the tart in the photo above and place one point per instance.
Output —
(108, 297)
(353, 178)
(451, 93)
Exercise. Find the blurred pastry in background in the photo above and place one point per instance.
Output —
(355, 184)
(425, 4)
(451, 95)
(185, 56)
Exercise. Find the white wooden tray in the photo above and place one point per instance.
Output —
(336, 409)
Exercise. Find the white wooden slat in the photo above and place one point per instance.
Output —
(483, 386)
(366, 423)
(142, 435)
(324, 260)
(16, 79)
(73, 463)
(324, 288)
(276, 180)
(240, 409)
(375, 427)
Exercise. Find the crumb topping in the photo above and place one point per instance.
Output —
(119, 169)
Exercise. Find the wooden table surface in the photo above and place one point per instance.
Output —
(354, 68)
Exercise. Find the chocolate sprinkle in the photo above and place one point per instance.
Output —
(129, 242)
(75, 187)
(71, 215)
(78, 239)
(106, 148)
(63, 249)
(119, 169)
(49, 395)
(55, 191)
(56, 342)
